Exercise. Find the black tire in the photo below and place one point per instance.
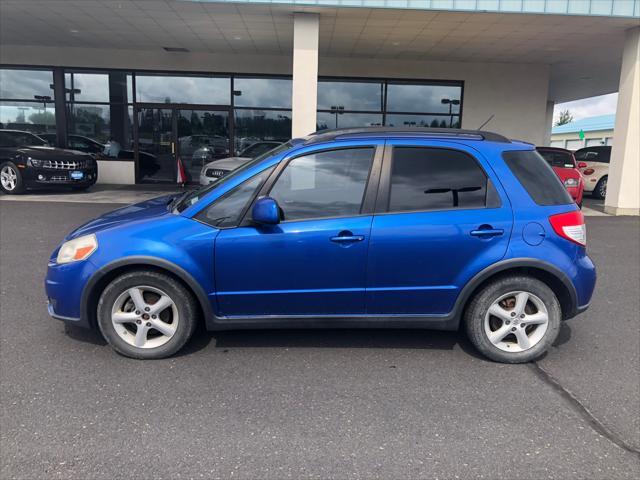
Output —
(181, 297)
(19, 188)
(601, 188)
(476, 311)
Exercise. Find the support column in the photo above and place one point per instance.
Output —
(623, 186)
(548, 123)
(306, 27)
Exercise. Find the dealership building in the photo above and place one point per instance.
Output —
(159, 80)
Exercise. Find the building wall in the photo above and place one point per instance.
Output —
(515, 94)
(572, 140)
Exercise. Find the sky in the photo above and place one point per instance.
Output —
(588, 107)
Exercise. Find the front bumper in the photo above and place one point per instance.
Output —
(64, 285)
(36, 176)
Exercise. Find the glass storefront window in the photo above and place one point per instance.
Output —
(25, 84)
(92, 121)
(179, 89)
(403, 97)
(350, 95)
(31, 116)
(262, 92)
(432, 121)
(87, 87)
(327, 120)
(252, 126)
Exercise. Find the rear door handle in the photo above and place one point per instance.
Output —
(487, 232)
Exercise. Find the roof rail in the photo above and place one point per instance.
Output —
(344, 133)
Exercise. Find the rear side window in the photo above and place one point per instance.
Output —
(602, 155)
(435, 179)
(557, 159)
(537, 177)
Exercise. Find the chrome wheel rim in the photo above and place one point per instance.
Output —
(145, 317)
(516, 321)
(603, 187)
(8, 178)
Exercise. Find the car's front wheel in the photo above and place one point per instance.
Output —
(11, 179)
(513, 319)
(146, 315)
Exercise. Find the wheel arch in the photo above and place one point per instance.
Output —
(101, 278)
(553, 277)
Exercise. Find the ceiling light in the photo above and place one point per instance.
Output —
(74, 31)
(237, 37)
(175, 49)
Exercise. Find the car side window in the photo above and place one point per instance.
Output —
(437, 179)
(225, 212)
(324, 184)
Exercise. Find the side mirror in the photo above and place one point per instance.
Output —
(582, 165)
(266, 211)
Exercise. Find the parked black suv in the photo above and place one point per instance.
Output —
(27, 161)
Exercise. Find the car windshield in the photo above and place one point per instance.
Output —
(256, 149)
(21, 139)
(192, 197)
(557, 159)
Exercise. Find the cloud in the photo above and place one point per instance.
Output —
(588, 107)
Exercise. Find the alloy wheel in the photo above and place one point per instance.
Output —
(8, 178)
(602, 188)
(145, 317)
(516, 321)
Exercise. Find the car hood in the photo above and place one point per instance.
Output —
(51, 153)
(228, 163)
(155, 207)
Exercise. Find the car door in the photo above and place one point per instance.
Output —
(313, 263)
(440, 219)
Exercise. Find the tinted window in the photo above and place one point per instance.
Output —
(537, 177)
(257, 149)
(226, 211)
(261, 92)
(602, 155)
(179, 89)
(557, 159)
(435, 179)
(423, 98)
(324, 184)
(350, 95)
(20, 139)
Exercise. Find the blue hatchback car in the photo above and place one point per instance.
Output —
(372, 227)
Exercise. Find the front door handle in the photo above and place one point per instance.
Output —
(486, 231)
(347, 237)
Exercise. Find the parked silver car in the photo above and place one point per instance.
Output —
(219, 168)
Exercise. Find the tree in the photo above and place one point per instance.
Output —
(564, 118)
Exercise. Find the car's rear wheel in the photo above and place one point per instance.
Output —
(601, 188)
(514, 319)
(11, 179)
(146, 315)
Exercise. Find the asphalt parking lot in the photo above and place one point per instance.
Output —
(314, 404)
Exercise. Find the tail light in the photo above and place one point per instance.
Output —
(588, 171)
(570, 226)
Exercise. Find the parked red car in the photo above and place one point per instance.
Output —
(564, 164)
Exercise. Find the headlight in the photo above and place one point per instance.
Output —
(77, 249)
(571, 182)
(34, 162)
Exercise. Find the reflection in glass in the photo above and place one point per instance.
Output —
(434, 179)
(350, 95)
(327, 120)
(178, 89)
(433, 121)
(261, 92)
(87, 87)
(31, 116)
(91, 121)
(423, 98)
(25, 84)
(156, 161)
(326, 184)
(252, 126)
(203, 136)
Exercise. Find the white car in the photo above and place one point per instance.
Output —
(593, 163)
(219, 168)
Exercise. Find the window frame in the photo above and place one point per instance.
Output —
(493, 198)
(368, 202)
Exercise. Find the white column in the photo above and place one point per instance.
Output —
(623, 186)
(549, 123)
(306, 28)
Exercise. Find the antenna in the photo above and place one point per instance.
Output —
(487, 121)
